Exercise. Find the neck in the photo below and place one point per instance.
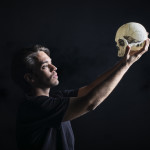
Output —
(40, 92)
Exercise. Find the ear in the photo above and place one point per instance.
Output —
(28, 77)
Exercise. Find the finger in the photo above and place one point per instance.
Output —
(144, 49)
(147, 33)
(146, 46)
(128, 48)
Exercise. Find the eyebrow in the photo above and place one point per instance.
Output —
(43, 62)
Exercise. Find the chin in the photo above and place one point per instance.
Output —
(54, 83)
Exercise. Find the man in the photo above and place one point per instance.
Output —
(43, 120)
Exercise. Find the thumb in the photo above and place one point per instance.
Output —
(128, 48)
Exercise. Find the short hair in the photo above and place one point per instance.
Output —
(23, 62)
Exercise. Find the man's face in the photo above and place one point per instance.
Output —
(45, 75)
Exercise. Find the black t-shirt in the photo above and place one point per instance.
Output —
(39, 123)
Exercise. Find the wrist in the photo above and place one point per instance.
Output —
(124, 63)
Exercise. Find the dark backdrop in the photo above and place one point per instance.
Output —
(81, 37)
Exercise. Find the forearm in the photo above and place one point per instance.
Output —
(105, 84)
(100, 79)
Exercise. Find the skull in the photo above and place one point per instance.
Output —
(132, 34)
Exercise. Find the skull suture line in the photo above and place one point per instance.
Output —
(132, 34)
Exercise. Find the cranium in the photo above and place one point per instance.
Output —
(132, 34)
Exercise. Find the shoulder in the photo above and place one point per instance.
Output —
(42, 108)
(43, 103)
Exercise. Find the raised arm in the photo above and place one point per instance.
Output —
(92, 95)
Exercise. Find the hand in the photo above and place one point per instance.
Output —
(131, 57)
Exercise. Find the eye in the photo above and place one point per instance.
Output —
(44, 66)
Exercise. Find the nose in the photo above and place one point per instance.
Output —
(52, 68)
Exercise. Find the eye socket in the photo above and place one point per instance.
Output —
(121, 42)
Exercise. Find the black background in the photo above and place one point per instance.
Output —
(80, 35)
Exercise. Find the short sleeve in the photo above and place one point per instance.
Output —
(43, 111)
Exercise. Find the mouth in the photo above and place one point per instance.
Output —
(55, 76)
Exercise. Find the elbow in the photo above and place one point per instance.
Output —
(92, 106)
(93, 101)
